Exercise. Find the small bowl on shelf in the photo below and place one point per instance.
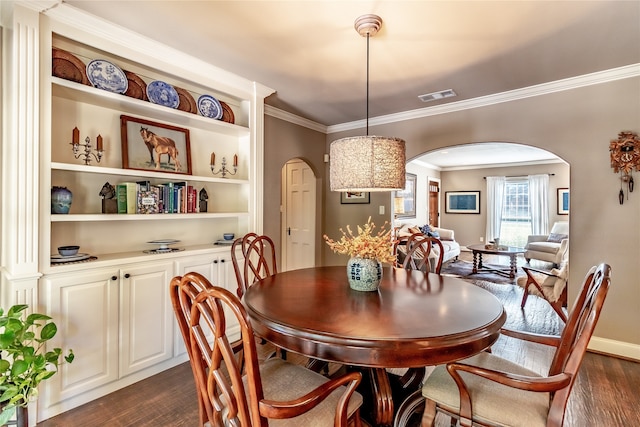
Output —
(68, 250)
(228, 236)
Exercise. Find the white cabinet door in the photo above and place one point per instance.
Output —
(85, 308)
(146, 317)
(218, 269)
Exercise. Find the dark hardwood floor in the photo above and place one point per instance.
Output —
(605, 393)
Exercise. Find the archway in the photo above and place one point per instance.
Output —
(463, 168)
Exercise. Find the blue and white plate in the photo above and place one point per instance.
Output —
(162, 93)
(208, 106)
(107, 76)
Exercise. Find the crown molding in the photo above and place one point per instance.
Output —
(107, 32)
(599, 77)
(295, 119)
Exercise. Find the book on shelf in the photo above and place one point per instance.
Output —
(127, 197)
(143, 197)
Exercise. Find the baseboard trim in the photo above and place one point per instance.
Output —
(615, 348)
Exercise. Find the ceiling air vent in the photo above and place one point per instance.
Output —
(434, 96)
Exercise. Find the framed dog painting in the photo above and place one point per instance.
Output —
(152, 146)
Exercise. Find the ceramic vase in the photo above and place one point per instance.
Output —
(364, 274)
(61, 198)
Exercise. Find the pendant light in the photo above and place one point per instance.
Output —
(367, 163)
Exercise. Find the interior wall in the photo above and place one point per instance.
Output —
(576, 125)
(422, 200)
(285, 141)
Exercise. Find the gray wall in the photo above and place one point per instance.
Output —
(576, 125)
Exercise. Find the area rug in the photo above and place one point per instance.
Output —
(464, 270)
(536, 316)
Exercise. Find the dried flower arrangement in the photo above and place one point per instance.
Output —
(367, 244)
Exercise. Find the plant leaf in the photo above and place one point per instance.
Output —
(16, 309)
(48, 331)
(19, 367)
(7, 414)
(37, 316)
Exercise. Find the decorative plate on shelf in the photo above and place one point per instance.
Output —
(227, 113)
(164, 244)
(107, 76)
(137, 87)
(187, 103)
(57, 258)
(210, 107)
(224, 242)
(67, 66)
(162, 93)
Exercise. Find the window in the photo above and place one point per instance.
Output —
(516, 218)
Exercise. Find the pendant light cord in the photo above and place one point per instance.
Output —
(367, 84)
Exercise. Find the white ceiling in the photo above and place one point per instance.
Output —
(310, 53)
(487, 154)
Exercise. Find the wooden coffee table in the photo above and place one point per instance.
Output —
(510, 251)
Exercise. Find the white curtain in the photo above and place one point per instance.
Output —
(495, 201)
(539, 203)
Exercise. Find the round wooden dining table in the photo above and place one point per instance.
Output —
(413, 320)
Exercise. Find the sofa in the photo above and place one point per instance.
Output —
(446, 237)
(552, 247)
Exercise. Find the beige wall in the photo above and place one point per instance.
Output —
(576, 125)
(285, 141)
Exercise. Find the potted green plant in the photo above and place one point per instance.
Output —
(24, 363)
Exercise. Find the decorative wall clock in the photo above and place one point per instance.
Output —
(625, 156)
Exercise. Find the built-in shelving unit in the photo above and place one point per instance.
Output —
(113, 310)
(95, 111)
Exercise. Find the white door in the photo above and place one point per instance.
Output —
(299, 216)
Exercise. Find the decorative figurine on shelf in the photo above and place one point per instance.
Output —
(203, 200)
(109, 201)
(61, 199)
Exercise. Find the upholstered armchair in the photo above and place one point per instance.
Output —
(552, 247)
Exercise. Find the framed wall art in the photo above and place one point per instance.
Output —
(349, 197)
(563, 201)
(152, 146)
(463, 202)
(404, 201)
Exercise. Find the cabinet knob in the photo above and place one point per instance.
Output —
(215, 261)
(127, 275)
(222, 260)
(114, 278)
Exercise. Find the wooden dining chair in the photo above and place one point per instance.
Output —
(418, 247)
(259, 260)
(184, 291)
(487, 390)
(241, 244)
(234, 388)
(412, 253)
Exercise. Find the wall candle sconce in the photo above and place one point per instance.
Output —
(223, 168)
(625, 156)
(75, 146)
